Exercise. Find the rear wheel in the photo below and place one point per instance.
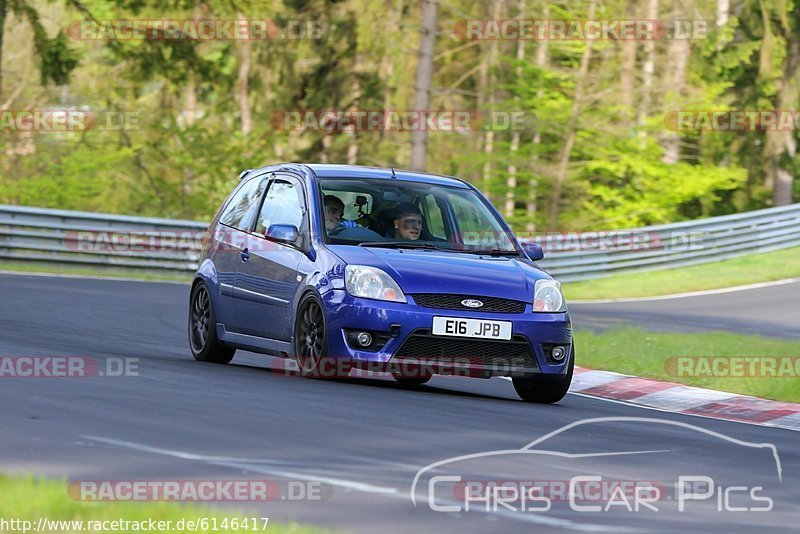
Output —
(203, 340)
(545, 391)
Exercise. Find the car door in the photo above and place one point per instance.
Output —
(267, 281)
(230, 235)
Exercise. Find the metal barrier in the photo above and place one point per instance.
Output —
(114, 241)
(99, 240)
(667, 246)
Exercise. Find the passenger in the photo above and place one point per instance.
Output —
(407, 222)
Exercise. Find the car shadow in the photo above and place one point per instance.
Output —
(387, 382)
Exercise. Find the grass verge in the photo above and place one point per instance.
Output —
(29, 499)
(751, 269)
(78, 270)
(655, 355)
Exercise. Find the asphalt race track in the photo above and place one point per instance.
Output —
(364, 440)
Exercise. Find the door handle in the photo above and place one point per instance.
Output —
(245, 255)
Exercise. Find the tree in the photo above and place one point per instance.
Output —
(780, 148)
(424, 80)
(572, 125)
(56, 58)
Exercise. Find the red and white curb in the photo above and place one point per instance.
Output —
(685, 399)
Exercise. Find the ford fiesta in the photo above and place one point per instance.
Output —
(341, 266)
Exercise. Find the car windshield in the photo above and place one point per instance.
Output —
(402, 214)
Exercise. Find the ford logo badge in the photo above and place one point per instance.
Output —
(471, 303)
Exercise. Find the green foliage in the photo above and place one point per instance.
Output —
(188, 148)
(628, 185)
(81, 177)
(57, 59)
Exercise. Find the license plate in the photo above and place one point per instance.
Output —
(453, 326)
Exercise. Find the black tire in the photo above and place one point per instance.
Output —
(203, 341)
(545, 391)
(310, 336)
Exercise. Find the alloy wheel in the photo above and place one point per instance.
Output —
(201, 313)
(310, 336)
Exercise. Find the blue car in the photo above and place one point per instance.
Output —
(339, 266)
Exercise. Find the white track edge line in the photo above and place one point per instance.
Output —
(721, 290)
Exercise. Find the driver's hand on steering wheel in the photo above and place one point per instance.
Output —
(343, 225)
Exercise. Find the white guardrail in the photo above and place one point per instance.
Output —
(115, 241)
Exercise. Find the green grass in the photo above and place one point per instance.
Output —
(30, 499)
(727, 273)
(647, 354)
(78, 270)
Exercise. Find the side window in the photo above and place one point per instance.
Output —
(247, 195)
(433, 215)
(282, 205)
(468, 221)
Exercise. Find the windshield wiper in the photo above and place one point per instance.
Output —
(401, 244)
(494, 252)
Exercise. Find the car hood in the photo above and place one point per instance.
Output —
(432, 271)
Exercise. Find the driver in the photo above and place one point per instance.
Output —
(407, 222)
(334, 213)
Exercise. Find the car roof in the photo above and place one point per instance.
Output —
(324, 170)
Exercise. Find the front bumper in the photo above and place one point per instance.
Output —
(409, 325)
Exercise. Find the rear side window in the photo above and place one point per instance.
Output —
(236, 210)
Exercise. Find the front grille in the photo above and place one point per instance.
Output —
(498, 356)
(453, 302)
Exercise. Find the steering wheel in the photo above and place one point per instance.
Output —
(337, 230)
(358, 232)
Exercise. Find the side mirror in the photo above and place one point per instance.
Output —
(282, 233)
(533, 250)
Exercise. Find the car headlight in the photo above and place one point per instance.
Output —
(372, 283)
(547, 297)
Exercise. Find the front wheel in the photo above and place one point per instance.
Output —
(203, 341)
(545, 391)
(310, 337)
